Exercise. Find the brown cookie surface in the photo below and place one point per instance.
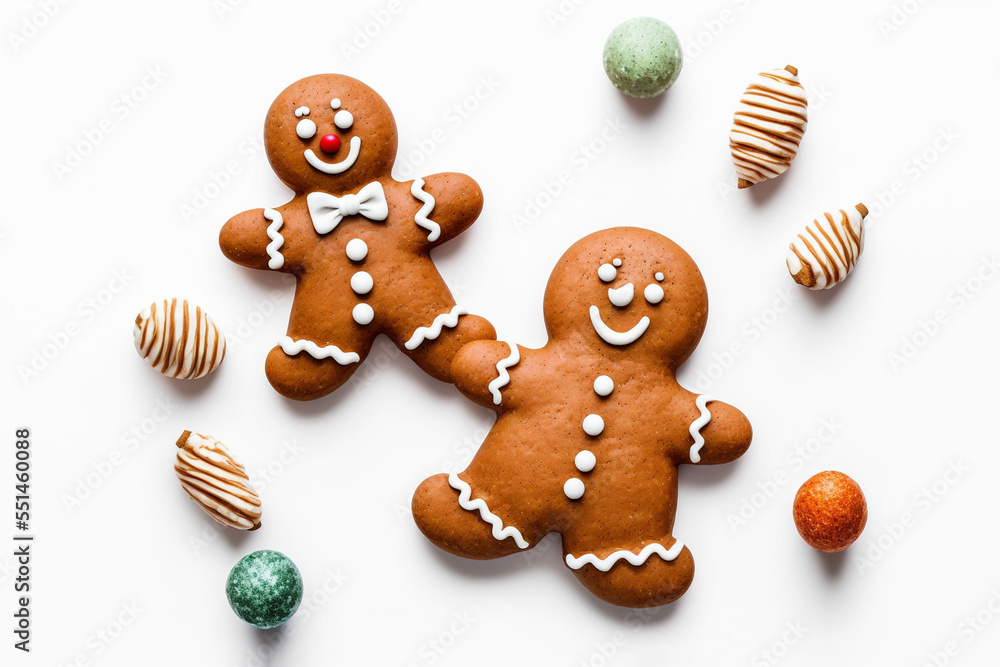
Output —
(592, 427)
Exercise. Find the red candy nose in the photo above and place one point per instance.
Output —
(330, 143)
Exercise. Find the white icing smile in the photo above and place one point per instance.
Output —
(335, 167)
(612, 337)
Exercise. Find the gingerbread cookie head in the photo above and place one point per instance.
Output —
(630, 290)
(330, 132)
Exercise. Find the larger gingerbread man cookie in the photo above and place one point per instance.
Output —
(357, 241)
(591, 428)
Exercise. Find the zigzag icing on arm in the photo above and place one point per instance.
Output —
(293, 347)
(503, 377)
(697, 425)
(449, 319)
(277, 240)
(479, 505)
(417, 190)
(605, 564)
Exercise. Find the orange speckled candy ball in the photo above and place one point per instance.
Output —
(830, 511)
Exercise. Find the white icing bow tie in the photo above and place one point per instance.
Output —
(327, 211)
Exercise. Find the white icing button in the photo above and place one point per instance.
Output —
(607, 273)
(604, 385)
(362, 282)
(616, 262)
(658, 275)
(357, 250)
(593, 425)
(573, 488)
(653, 293)
(344, 119)
(363, 314)
(585, 460)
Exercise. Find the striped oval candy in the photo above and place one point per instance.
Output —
(178, 339)
(768, 126)
(219, 484)
(827, 251)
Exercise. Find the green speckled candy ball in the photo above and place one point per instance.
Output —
(264, 589)
(643, 57)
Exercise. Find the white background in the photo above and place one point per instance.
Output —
(337, 500)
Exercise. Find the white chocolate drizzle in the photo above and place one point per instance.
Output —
(216, 481)
(292, 347)
(434, 229)
(178, 339)
(829, 248)
(277, 240)
(703, 418)
(768, 126)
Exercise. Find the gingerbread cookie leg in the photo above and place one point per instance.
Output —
(649, 575)
(449, 514)
(432, 345)
(303, 370)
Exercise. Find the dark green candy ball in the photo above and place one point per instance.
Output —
(264, 589)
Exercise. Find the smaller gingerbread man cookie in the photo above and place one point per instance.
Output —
(592, 427)
(357, 241)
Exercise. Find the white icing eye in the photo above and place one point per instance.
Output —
(607, 273)
(306, 129)
(616, 262)
(653, 293)
(334, 103)
(659, 276)
(343, 119)
(301, 111)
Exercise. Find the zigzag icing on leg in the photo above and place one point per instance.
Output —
(449, 319)
(698, 424)
(479, 505)
(503, 377)
(636, 559)
(277, 240)
(293, 347)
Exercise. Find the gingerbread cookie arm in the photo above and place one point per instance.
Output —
(450, 203)
(482, 371)
(253, 239)
(720, 433)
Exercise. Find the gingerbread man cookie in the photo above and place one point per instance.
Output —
(592, 427)
(357, 241)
